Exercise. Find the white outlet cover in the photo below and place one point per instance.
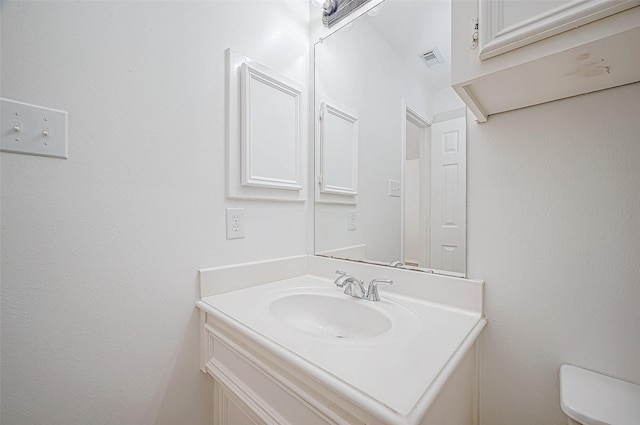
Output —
(33, 130)
(235, 223)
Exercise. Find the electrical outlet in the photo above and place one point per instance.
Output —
(351, 220)
(235, 223)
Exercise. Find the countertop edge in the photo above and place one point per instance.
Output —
(423, 404)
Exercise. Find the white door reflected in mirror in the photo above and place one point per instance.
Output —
(448, 195)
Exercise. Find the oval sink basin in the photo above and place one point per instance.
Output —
(328, 316)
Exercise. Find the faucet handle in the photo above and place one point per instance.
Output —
(372, 292)
(354, 287)
(342, 279)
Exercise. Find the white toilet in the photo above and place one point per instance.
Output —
(589, 398)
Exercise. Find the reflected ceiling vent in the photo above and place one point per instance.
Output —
(432, 57)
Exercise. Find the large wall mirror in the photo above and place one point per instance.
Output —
(390, 141)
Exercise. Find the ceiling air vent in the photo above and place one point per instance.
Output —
(432, 57)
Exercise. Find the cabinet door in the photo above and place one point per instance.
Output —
(506, 25)
(228, 410)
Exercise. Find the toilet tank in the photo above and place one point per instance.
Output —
(591, 398)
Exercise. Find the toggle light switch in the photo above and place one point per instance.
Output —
(394, 188)
(352, 220)
(33, 130)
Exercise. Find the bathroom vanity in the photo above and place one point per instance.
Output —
(285, 345)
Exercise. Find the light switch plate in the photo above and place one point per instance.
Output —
(394, 188)
(352, 220)
(33, 130)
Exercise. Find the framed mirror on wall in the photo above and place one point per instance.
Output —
(390, 140)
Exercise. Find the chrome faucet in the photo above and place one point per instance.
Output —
(351, 285)
(355, 287)
(372, 290)
(341, 280)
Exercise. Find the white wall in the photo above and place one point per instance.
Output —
(553, 208)
(362, 72)
(446, 101)
(413, 246)
(100, 252)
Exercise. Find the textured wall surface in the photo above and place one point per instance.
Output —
(100, 252)
(553, 207)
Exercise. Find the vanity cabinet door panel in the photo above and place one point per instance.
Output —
(228, 410)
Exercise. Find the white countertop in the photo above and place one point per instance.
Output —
(395, 371)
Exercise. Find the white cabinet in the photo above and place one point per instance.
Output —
(508, 24)
(530, 52)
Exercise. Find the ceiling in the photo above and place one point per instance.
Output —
(414, 27)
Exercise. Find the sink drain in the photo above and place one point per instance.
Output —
(339, 336)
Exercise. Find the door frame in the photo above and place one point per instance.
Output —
(424, 122)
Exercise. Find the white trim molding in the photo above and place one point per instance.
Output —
(266, 132)
(338, 150)
(271, 132)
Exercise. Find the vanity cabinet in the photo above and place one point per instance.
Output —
(284, 345)
(252, 387)
(508, 55)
